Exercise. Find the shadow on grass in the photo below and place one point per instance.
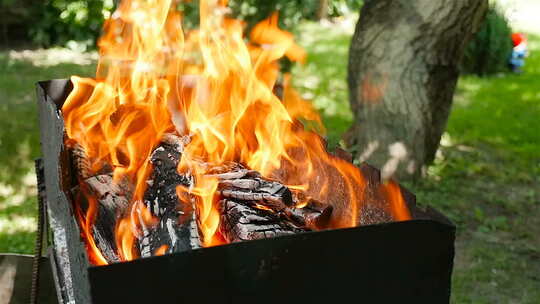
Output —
(496, 210)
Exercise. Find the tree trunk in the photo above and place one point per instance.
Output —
(403, 69)
(322, 10)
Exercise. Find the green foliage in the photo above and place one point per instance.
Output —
(344, 7)
(253, 11)
(64, 21)
(15, 15)
(290, 11)
(490, 49)
(507, 115)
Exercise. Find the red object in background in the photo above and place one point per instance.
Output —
(518, 38)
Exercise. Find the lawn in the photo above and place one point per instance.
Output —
(19, 136)
(486, 177)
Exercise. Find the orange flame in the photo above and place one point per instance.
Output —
(397, 204)
(212, 85)
(87, 222)
(161, 250)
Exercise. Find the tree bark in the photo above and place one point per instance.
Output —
(322, 10)
(403, 69)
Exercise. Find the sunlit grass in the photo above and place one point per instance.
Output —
(322, 78)
(505, 110)
(486, 177)
(19, 135)
(487, 180)
(15, 224)
(52, 57)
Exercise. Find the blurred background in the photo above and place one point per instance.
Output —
(486, 175)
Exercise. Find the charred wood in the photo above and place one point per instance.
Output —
(82, 165)
(177, 229)
(314, 215)
(340, 153)
(251, 206)
(80, 161)
(248, 185)
(112, 201)
(240, 222)
(253, 190)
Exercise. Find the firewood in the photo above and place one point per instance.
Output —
(112, 200)
(240, 222)
(251, 206)
(177, 228)
(375, 208)
(80, 161)
(112, 203)
(345, 155)
(313, 215)
(249, 187)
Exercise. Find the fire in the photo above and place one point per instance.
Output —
(153, 78)
(95, 255)
(398, 207)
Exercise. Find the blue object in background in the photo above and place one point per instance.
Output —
(519, 52)
(517, 60)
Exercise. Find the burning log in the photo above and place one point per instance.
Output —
(240, 222)
(251, 206)
(177, 227)
(250, 187)
(255, 208)
(375, 209)
(111, 201)
(80, 161)
(313, 215)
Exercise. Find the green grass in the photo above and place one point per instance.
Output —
(322, 78)
(19, 142)
(487, 180)
(486, 177)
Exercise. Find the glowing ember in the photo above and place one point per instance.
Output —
(210, 84)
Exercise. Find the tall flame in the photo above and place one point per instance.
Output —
(212, 85)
